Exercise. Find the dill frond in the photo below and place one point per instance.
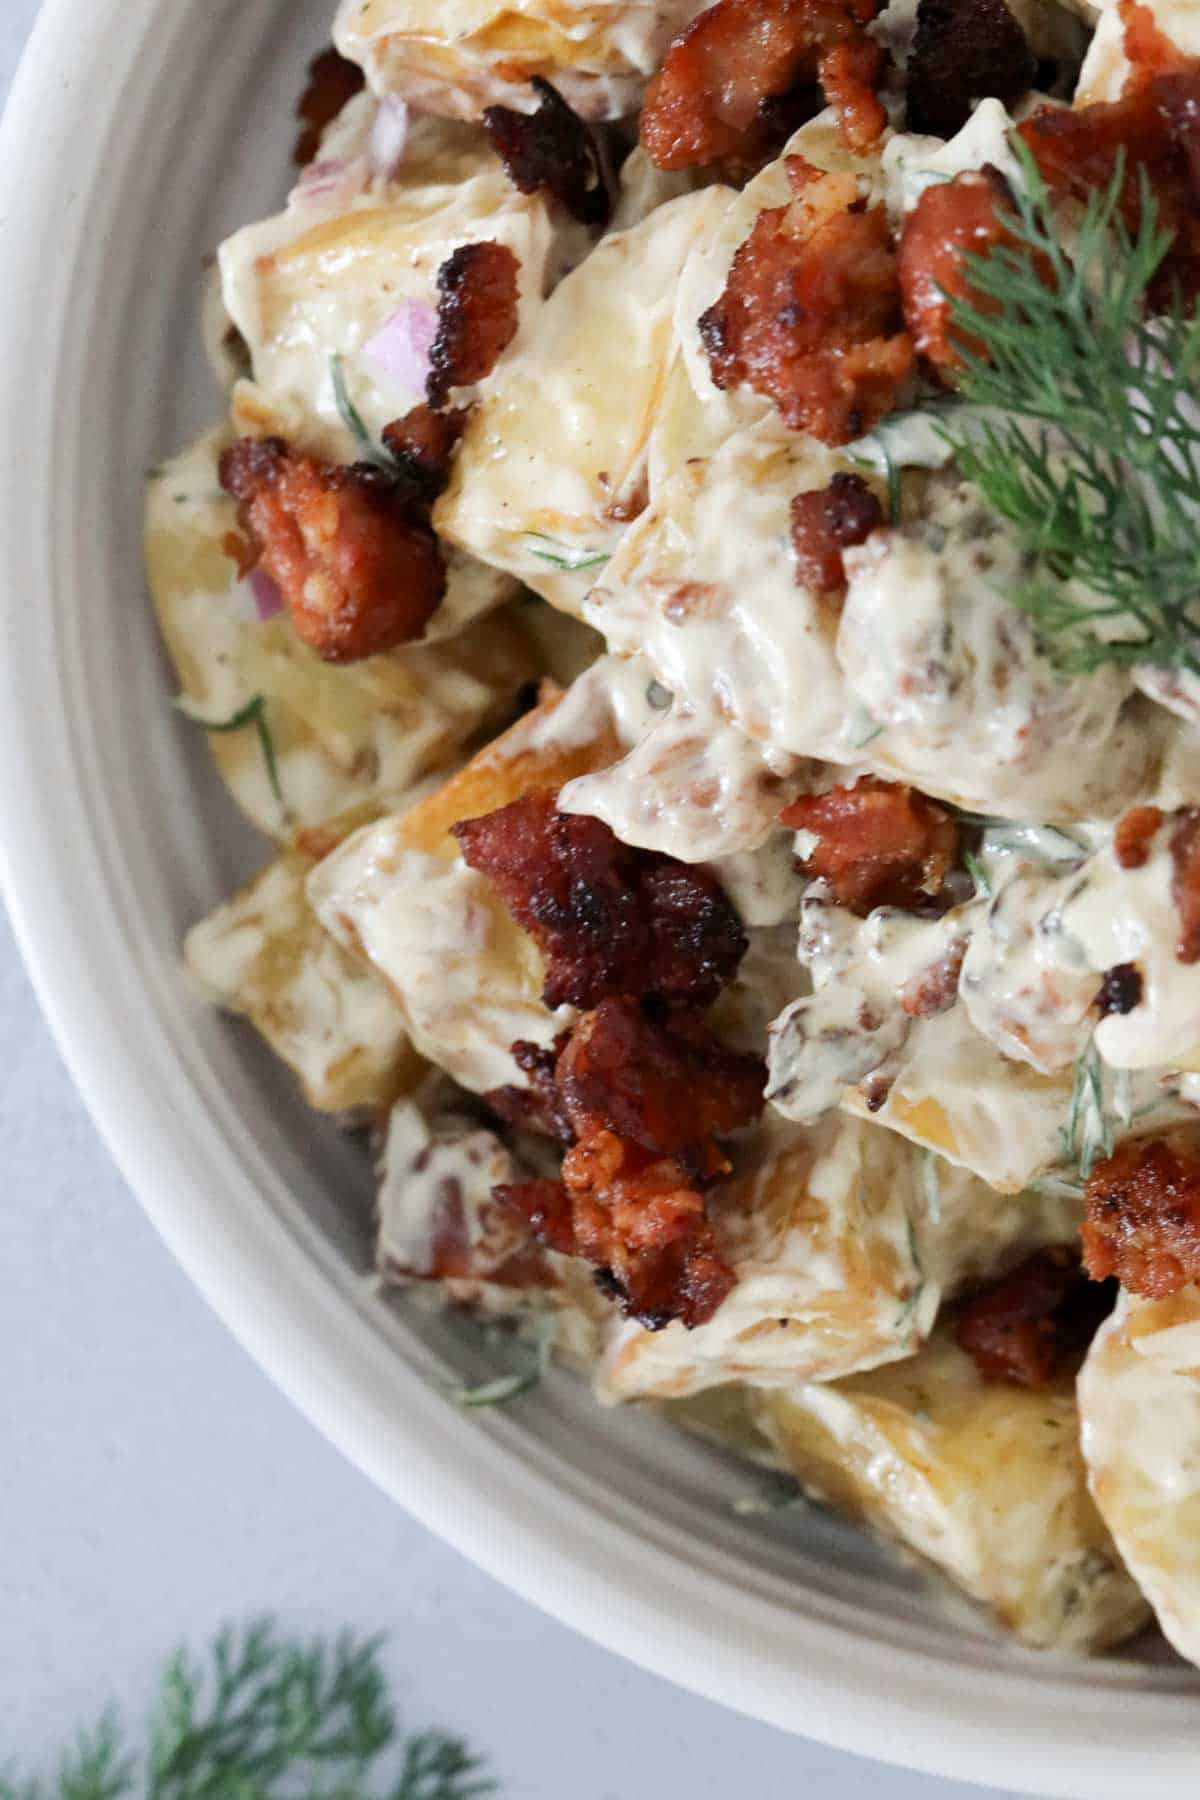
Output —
(265, 1718)
(1082, 432)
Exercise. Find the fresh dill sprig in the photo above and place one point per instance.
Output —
(561, 556)
(267, 1719)
(1088, 445)
(253, 713)
(504, 1388)
(354, 422)
(1091, 1128)
(977, 870)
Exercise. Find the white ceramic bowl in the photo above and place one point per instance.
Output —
(139, 132)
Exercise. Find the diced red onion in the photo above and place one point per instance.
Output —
(389, 136)
(267, 598)
(331, 178)
(401, 346)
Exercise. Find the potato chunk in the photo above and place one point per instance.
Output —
(266, 956)
(1139, 1402)
(985, 1481)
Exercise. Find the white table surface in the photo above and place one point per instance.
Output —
(153, 1483)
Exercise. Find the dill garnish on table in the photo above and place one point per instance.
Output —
(265, 1718)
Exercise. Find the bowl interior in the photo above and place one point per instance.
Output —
(117, 835)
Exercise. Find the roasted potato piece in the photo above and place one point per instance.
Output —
(458, 56)
(266, 956)
(986, 1481)
(845, 1240)
(555, 459)
(820, 1234)
(467, 978)
(1139, 1403)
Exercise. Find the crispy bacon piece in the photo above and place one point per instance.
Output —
(607, 918)
(811, 313)
(1185, 880)
(664, 1086)
(640, 1223)
(423, 442)
(551, 151)
(714, 94)
(1143, 1215)
(1135, 833)
(1023, 1327)
(878, 843)
(332, 81)
(826, 521)
(1156, 123)
(645, 1099)
(950, 220)
(478, 314)
(360, 571)
(963, 51)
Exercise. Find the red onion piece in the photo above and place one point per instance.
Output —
(401, 346)
(330, 180)
(389, 136)
(267, 598)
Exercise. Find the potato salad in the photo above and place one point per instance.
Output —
(695, 580)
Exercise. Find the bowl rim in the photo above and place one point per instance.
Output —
(674, 1616)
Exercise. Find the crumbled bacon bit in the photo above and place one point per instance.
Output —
(963, 51)
(1023, 1327)
(478, 315)
(878, 843)
(422, 443)
(713, 97)
(951, 220)
(1136, 831)
(850, 75)
(811, 314)
(494, 1246)
(332, 82)
(1120, 990)
(935, 989)
(645, 1099)
(607, 918)
(1143, 1216)
(539, 1107)
(826, 521)
(1148, 49)
(360, 570)
(1156, 126)
(551, 151)
(1185, 880)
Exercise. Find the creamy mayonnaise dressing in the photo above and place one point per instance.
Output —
(436, 1174)
(938, 657)
(1034, 965)
(868, 976)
